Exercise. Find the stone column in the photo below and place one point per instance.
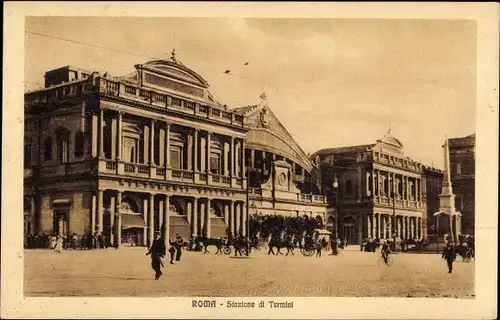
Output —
(264, 164)
(189, 209)
(368, 223)
(166, 221)
(95, 135)
(207, 148)
(226, 214)
(252, 159)
(233, 157)
(384, 227)
(100, 211)
(152, 144)
(160, 214)
(113, 138)
(367, 190)
(145, 214)
(119, 138)
(243, 219)
(231, 217)
(380, 186)
(207, 221)
(243, 161)
(202, 219)
(146, 136)
(237, 217)
(360, 229)
(161, 147)
(112, 208)
(226, 159)
(151, 217)
(378, 226)
(372, 224)
(101, 133)
(94, 211)
(195, 216)
(190, 152)
(195, 154)
(119, 224)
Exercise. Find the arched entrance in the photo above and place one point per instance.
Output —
(218, 227)
(178, 221)
(349, 228)
(133, 224)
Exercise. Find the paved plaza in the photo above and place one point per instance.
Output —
(127, 272)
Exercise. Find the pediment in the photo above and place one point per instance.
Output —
(266, 132)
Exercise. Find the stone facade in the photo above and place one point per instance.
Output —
(380, 192)
(131, 155)
(462, 170)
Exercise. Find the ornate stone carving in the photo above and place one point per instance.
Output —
(264, 117)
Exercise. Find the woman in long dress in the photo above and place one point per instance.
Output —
(59, 244)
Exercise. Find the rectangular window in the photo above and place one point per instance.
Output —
(215, 163)
(175, 158)
(459, 168)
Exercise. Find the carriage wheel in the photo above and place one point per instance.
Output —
(307, 252)
(226, 250)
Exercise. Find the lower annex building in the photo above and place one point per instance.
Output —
(128, 156)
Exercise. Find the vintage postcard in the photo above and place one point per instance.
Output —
(281, 160)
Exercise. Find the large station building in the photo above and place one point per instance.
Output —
(379, 191)
(131, 155)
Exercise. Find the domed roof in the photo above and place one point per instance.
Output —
(176, 69)
(391, 140)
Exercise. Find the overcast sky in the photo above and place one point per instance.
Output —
(331, 82)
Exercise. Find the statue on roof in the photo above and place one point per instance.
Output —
(173, 56)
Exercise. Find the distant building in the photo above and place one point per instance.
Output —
(463, 169)
(371, 179)
(432, 179)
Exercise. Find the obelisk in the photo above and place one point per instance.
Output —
(447, 198)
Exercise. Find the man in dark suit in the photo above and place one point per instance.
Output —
(157, 252)
(450, 255)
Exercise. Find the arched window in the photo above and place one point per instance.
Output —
(47, 149)
(79, 144)
(62, 135)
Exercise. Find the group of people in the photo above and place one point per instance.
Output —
(158, 251)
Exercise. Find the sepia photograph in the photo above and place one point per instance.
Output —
(243, 162)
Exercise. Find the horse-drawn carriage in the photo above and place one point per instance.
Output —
(225, 245)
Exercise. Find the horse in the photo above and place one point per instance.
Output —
(287, 243)
(217, 242)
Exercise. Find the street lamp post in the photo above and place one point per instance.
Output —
(335, 196)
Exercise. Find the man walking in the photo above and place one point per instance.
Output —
(157, 252)
(450, 255)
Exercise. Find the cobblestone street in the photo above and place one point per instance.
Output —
(127, 272)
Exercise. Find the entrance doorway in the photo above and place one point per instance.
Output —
(60, 222)
(349, 229)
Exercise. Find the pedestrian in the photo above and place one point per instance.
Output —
(53, 241)
(157, 252)
(335, 247)
(318, 248)
(179, 244)
(450, 255)
(95, 240)
(59, 244)
(171, 250)
(74, 240)
(345, 242)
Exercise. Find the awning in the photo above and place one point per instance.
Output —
(217, 227)
(132, 221)
(322, 231)
(180, 225)
(61, 202)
